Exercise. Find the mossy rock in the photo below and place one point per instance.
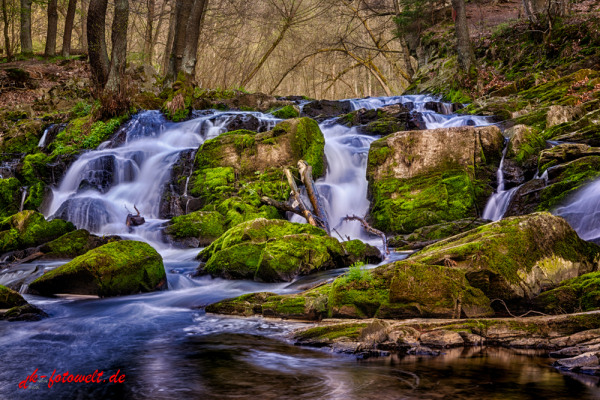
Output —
(515, 258)
(563, 153)
(23, 137)
(402, 289)
(29, 229)
(10, 197)
(115, 269)
(74, 244)
(287, 112)
(430, 177)
(275, 251)
(197, 228)
(436, 232)
(9, 298)
(573, 295)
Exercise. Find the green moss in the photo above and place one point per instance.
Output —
(115, 269)
(9, 196)
(307, 142)
(286, 112)
(9, 298)
(21, 137)
(332, 332)
(205, 225)
(28, 229)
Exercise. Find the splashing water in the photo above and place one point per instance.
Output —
(498, 204)
(582, 211)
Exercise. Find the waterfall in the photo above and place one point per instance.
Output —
(42, 141)
(23, 196)
(498, 204)
(582, 211)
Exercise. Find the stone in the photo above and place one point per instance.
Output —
(26, 312)
(580, 293)
(422, 351)
(441, 338)
(9, 298)
(115, 269)
(515, 258)
(29, 229)
(574, 363)
(561, 114)
(432, 176)
(322, 109)
(199, 228)
(563, 153)
(74, 244)
(472, 339)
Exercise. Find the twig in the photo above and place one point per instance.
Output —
(520, 316)
(335, 230)
(372, 230)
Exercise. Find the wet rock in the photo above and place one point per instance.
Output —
(9, 298)
(515, 258)
(115, 269)
(26, 312)
(287, 112)
(471, 339)
(513, 174)
(74, 244)
(561, 114)
(322, 109)
(564, 153)
(430, 233)
(569, 352)
(196, 229)
(441, 338)
(272, 251)
(526, 199)
(441, 108)
(172, 203)
(574, 294)
(422, 351)
(29, 229)
(583, 360)
(419, 178)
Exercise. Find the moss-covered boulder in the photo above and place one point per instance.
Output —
(29, 229)
(115, 269)
(428, 177)
(525, 145)
(22, 137)
(435, 232)
(276, 251)
(384, 120)
(233, 171)
(196, 229)
(563, 153)
(573, 295)
(563, 180)
(287, 112)
(10, 191)
(515, 258)
(74, 244)
(400, 290)
(9, 298)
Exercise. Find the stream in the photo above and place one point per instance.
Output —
(166, 345)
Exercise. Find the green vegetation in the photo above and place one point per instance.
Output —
(9, 298)
(29, 229)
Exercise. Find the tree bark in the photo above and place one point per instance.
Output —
(466, 56)
(193, 30)
(96, 21)
(170, 37)
(541, 13)
(6, 29)
(149, 29)
(182, 13)
(66, 49)
(84, 11)
(26, 43)
(298, 203)
(313, 194)
(50, 50)
(119, 45)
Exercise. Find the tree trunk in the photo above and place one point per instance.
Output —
(182, 13)
(118, 60)
(541, 13)
(84, 11)
(96, 21)
(26, 44)
(192, 34)
(466, 56)
(66, 49)
(170, 37)
(148, 37)
(6, 28)
(52, 28)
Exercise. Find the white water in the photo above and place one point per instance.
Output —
(498, 204)
(582, 211)
(132, 174)
(23, 197)
(42, 141)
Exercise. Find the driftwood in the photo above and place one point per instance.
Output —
(313, 193)
(134, 220)
(298, 200)
(372, 230)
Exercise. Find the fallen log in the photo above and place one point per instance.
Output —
(372, 230)
(313, 193)
(298, 200)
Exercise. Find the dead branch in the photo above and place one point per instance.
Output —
(313, 193)
(280, 205)
(298, 200)
(372, 230)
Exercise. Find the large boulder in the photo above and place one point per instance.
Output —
(74, 244)
(29, 229)
(384, 120)
(9, 298)
(115, 269)
(400, 290)
(427, 177)
(576, 294)
(196, 229)
(516, 258)
(326, 108)
(563, 153)
(275, 251)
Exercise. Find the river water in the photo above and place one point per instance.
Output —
(168, 348)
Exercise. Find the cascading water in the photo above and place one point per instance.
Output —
(582, 211)
(23, 197)
(42, 141)
(498, 204)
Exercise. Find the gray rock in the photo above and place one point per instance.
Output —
(441, 338)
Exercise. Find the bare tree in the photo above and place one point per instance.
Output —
(148, 44)
(7, 44)
(98, 53)
(69, 20)
(26, 43)
(119, 45)
(466, 56)
(52, 28)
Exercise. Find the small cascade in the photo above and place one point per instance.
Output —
(42, 141)
(23, 197)
(582, 211)
(498, 204)
(23, 289)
